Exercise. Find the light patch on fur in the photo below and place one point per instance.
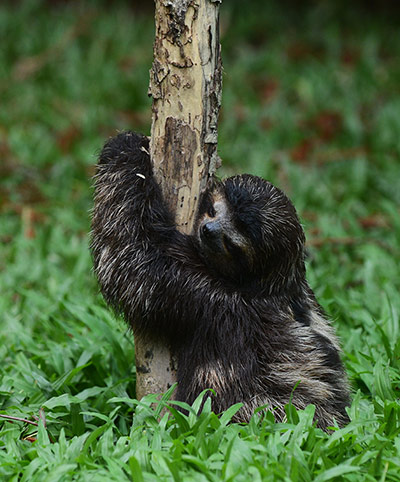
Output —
(214, 375)
(323, 327)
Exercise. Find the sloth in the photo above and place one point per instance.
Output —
(231, 299)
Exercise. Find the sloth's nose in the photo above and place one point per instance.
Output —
(211, 229)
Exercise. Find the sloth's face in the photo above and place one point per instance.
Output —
(222, 245)
(248, 232)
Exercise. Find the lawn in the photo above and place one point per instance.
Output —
(311, 101)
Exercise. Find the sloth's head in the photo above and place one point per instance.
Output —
(249, 233)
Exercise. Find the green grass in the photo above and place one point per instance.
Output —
(311, 102)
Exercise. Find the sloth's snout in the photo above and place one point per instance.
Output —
(211, 230)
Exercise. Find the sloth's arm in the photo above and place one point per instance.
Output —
(146, 269)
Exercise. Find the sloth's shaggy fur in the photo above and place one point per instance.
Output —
(231, 300)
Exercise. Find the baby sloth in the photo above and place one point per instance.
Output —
(231, 299)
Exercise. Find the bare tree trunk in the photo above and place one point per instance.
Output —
(185, 83)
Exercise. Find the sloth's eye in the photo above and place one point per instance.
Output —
(211, 211)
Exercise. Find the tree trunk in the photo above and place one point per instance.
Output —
(185, 83)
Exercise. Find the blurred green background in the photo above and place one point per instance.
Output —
(310, 101)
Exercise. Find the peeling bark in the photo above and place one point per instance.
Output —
(185, 83)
